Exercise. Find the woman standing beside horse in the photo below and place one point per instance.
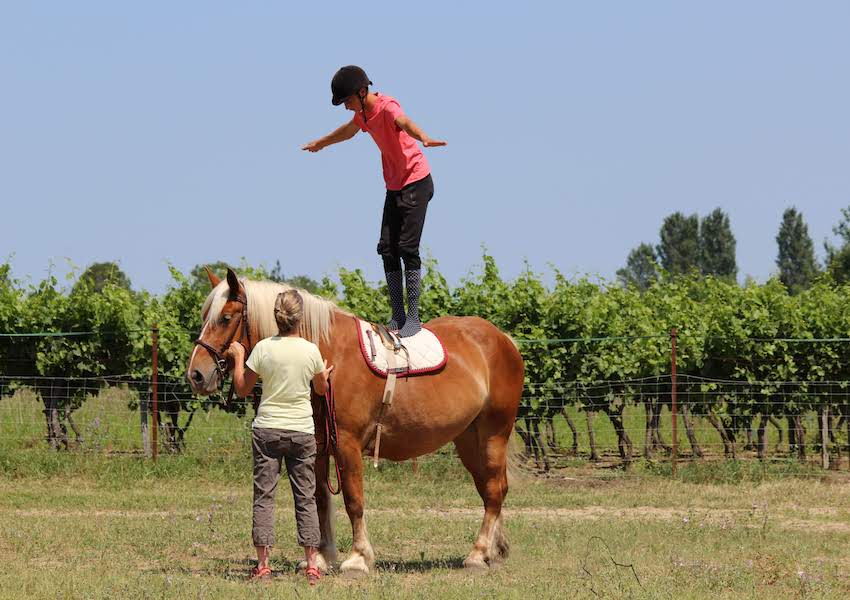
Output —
(283, 428)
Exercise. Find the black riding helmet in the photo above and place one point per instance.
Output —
(347, 81)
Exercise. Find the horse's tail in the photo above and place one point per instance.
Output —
(517, 471)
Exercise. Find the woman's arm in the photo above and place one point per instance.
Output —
(320, 381)
(244, 379)
(413, 130)
(340, 134)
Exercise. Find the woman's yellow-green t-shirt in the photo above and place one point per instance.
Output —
(286, 366)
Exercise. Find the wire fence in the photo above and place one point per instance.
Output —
(764, 419)
(669, 417)
(561, 423)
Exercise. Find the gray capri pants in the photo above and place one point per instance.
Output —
(272, 448)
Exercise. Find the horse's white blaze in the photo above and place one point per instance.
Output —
(192, 358)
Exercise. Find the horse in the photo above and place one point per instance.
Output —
(472, 402)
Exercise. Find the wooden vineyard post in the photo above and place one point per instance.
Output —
(154, 390)
(673, 394)
(824, 436)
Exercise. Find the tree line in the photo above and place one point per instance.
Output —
(690, 244)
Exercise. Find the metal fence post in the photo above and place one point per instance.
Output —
(155, 391)
(144, 410)
(673, 394)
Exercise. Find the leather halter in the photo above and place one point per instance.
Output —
(218, 355)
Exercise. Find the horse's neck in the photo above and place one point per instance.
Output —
(339, 332)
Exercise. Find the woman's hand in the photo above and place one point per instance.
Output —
(236, 351)
(320, 381)
(244, 378)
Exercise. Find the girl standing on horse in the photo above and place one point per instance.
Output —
(408, 180)
(283, 430)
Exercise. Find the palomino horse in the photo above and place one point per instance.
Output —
(472, 402)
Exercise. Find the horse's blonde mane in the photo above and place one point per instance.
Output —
(318, 312)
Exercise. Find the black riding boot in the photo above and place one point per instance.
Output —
(412, 324)
(395, 287)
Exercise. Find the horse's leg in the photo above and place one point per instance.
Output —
(362, 557)
(324, 503)
(485, 457)
(503, 548)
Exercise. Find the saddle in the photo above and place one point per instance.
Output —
(385, 353)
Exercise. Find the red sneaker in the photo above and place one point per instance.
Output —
(313, 575)
(260, 574)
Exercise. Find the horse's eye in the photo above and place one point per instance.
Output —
(226, 318)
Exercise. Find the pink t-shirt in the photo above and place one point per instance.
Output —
(401, 156)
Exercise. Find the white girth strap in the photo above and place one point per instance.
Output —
(389, 391)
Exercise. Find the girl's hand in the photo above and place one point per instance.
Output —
(429, 143)
(313, 146)
(327, 372)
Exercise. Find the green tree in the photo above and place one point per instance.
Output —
(641, 268)
(678, 250)
(838, 258)
(717, 246)
(198, 277)
(98, 275)
(436, 300)
(842, 230)
(11, 300)
(484, 295)
(299, 281)
(362, 299)
(796, 257)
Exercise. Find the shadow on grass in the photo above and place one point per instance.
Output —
(418, 566)
(232, 569)
(239, 570)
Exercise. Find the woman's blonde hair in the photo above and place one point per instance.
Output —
(288, 311)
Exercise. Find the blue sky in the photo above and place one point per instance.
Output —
(171, 131)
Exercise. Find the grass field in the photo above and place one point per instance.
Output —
(107, 523)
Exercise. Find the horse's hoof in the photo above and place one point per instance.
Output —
(475, 564)
(354, 567)
(354, 574)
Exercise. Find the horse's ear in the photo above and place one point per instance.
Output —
(233, 282)
(214, 280)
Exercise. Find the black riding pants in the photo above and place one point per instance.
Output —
(401, 226)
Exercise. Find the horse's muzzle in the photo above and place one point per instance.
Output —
(202, 385)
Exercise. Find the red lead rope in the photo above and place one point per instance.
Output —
(330, 439)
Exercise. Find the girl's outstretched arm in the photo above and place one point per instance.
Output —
(340, 134)
(413, 130)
